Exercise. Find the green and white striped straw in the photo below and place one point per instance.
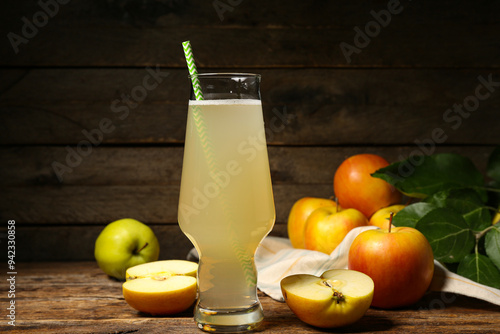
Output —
(188, 52)
(246, 260)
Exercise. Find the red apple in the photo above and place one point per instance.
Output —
(301, 209)
(327, 226)
(399, 260)
(356, 188)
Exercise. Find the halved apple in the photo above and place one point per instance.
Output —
(338, 298)
(161, 287)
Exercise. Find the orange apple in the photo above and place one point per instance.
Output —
(327, 226)
(356, 188)
(399, 260)
(298, 216)
(382, 216)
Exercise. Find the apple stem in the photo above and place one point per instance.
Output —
(138, 251)
(337, 203)
(390, 220)
(338, 296)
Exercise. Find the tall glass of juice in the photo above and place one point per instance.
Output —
(226, 204)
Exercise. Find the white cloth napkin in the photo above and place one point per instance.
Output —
(276, 258)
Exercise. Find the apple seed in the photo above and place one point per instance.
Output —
(337, 295)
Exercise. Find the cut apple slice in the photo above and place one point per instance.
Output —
(162, 268)
(161, 287)
(338, 298)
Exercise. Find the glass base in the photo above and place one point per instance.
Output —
(229, 321)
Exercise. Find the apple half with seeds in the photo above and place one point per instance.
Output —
(161, 287)
(338, 298)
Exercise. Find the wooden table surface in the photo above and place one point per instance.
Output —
(77, 297)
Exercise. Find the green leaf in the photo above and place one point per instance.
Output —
(450, 237)
(466, 202)
(492, 244)
(430, 174)
(493, 168)
(481, 269)
(410, 215)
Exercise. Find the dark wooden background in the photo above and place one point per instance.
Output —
(63, 80)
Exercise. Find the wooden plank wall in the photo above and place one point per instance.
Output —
(100, 87)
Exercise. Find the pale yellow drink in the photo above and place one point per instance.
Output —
(226, 202)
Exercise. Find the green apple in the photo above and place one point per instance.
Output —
(123, 244)
(338, 298)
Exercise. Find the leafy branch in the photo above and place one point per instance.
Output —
(454, 210)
